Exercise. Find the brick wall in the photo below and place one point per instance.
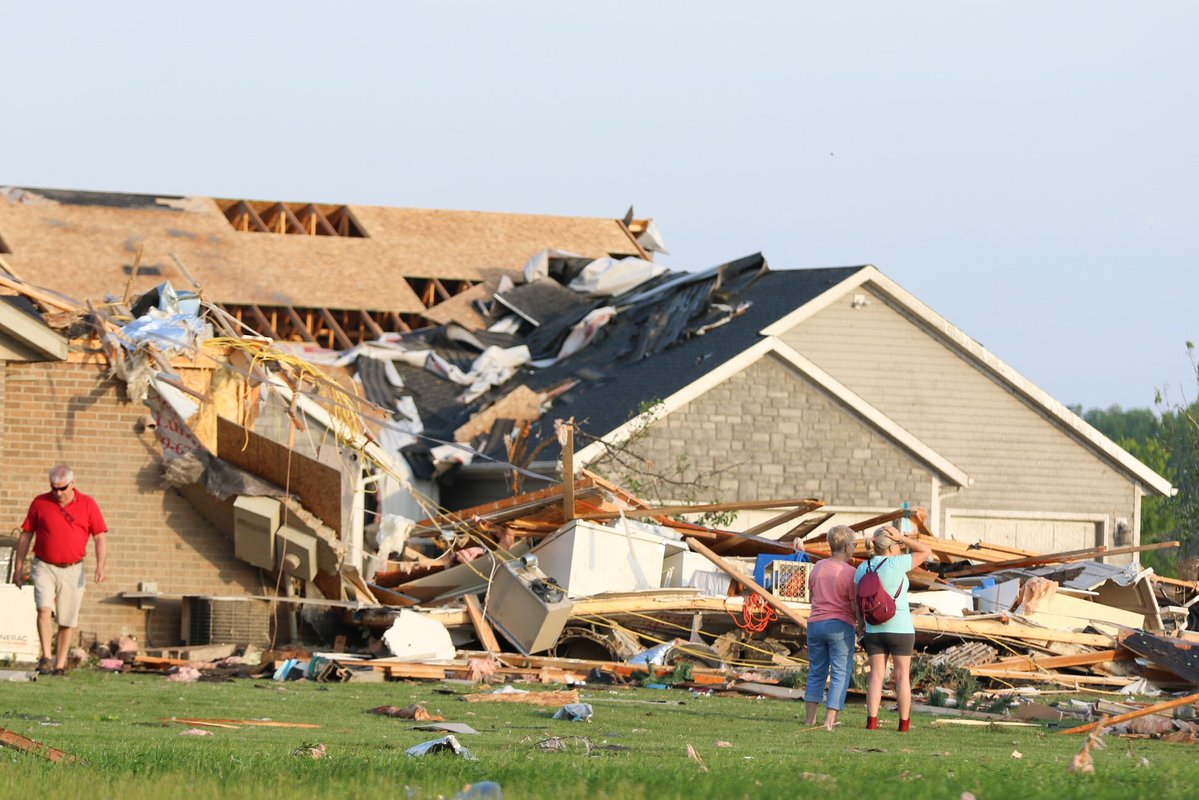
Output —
(768, 433)
(71, 413)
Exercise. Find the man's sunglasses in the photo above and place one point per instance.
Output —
(62, 488)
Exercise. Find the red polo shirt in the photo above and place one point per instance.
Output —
(62, 531)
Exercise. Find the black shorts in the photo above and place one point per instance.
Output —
(891, 644)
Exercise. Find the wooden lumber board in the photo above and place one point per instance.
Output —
(671, 511)
(1153, 709)
(984, 722)
(997, 629)
(1192, 585)
(261, 723)
(26, 745)
(1049, 677)
(560, 698)
(775, 521)
(164, 663)
(41, 296)
(707, 676)
(1059, 558)
(1058, 662)
(424, 672)
(482, 627)
(1073, 613)
(508, 508)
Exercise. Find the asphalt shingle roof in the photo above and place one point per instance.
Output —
(600, 406)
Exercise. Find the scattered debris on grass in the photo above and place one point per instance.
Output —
(448, 745)
(575, 712)
(313, 751)
(416, 711)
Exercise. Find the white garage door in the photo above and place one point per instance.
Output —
(1027, 533)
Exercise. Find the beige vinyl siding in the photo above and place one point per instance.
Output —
(769, 433)
(1018, 459)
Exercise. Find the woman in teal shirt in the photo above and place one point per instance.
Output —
(895, 637)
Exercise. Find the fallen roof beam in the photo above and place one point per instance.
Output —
(1059, 558)
(775, 603)
(1153, 709)
(670, 511)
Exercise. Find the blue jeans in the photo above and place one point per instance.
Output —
(830, 649)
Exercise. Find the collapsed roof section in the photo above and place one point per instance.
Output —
(549, 338)
(335, 275)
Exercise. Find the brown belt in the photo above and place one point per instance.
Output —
(60, 566)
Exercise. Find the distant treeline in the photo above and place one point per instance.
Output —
(1168, 443)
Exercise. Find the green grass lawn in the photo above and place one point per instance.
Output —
(113, 723)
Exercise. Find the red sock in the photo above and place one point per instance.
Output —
(871, 723)
(905, 725)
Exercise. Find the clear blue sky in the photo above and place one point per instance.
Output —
(1028, 169)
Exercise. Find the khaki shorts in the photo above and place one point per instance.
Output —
(60, 589)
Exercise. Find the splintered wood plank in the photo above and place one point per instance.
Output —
(1153, 709)
(482, 627)
(780, 519)
(425, 672)
(1057, 662)
(568, 472)
(1050, 677)
(26, 745)
(261, 723)
(1058, 558)
(670, 511)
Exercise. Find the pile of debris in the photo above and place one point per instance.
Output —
(581, 580)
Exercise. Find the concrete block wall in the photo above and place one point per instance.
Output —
(769, 433)
(68, 412)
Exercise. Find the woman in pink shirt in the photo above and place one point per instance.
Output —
(831, 627)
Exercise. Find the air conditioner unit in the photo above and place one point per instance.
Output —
(226, 620)
(789, 580)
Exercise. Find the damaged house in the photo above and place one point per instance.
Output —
(316, 379)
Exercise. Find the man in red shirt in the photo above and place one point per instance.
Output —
(59, 523)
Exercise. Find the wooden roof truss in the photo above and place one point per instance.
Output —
(300, 219)
(336, 329)
(432, 291)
